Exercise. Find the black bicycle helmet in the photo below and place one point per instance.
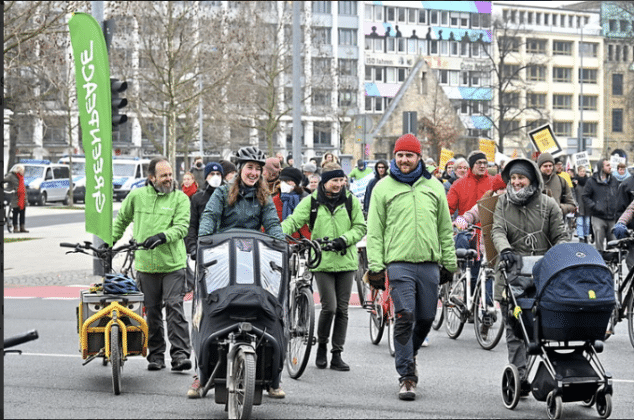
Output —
(118, 284)
(250, 154)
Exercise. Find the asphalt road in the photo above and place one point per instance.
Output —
(458, 378)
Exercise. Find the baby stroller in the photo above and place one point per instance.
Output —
(563, 318)
(238, 316)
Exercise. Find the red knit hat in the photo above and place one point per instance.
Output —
(407, 143)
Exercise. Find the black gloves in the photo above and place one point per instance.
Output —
(339, 244)
(509, 257)
(376, 280)
(445, 275)
(154, 241)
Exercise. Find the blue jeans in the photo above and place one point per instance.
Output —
(414, 291)
(583, 226)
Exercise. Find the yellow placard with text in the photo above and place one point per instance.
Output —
(488, 148)
(445, 155)
(544, 140)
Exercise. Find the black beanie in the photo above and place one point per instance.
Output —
(523, 168)
(474, 157)
(291, 174)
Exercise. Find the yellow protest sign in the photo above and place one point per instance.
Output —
(544, 140)
(445, 155)
(488, 148)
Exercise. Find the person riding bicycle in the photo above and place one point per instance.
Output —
(160, 213)
(526, 222)
(620, 231)
(243, 203)
(335, 274)
(409, 235)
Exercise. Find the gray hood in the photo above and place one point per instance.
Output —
(538, 182)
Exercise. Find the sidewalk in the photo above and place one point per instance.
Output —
(41, 261)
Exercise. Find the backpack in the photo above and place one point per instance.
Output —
(314, 206)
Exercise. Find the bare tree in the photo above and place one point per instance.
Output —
(440, 127)
(510, 84)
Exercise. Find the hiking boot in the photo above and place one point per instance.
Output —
(196, 389)
(407, 391)
(276, 392)
(180, 365)
(23, 229)
(156, 365)
(322, 356)
(337, 364)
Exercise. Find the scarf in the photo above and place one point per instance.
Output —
(289, 202)
(331, 201)
(411, 177)
(21, 191)
(620, 177)
(581, 180)
(191, 190)
(519, 198)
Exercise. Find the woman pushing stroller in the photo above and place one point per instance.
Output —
(526, 222)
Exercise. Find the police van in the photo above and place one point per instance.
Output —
(126, 171)
(46, 181)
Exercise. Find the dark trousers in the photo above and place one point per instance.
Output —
(165, 289)
(414, 291)
(21, 213)
(334, 293)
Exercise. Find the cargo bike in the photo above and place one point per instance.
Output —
(239, 316)
(560, 304)
(110, 317)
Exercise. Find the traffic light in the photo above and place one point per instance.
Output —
(117, 87)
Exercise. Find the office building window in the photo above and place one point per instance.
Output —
(322, 35)
(378, 13)
(348, 8)
(536, 46)
(562, 128)
(347, 98)
(321, 7)
(402, 74)
(612, 25)
(433, 47)
(562, 48)
(562, 101)
(369, 12)
(422, 16)
(400, 14)
(510, 71)
(617, 84)
(588, 102)
(536, 73)
(444, 18)
(390, 75)
(590, 129)
(475, 20)
(321, 134)
(444, 77)
(321, 97)
(433, 17)
(588, 75)
(562, 74)
(536, 100)
(390, 14)
(511, 99)
(321, 66)
(589, 49)
(347, 67)
(617, 120)
(347, 37)
(412, 16)
(390, 44)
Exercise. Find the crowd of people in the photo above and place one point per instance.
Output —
(414, 214)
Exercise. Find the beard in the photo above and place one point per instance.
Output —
(164, 188)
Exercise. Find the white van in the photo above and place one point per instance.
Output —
(78, 171)
(125, 173)
(45, 181)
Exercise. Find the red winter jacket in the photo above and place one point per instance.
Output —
(466, 191)
(304, 230)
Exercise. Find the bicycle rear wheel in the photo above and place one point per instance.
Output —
(377, 318)
(302, 326)
(488, 322)
(454, 306)
(440, 311)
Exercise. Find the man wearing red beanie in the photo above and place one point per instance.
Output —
(410, 238)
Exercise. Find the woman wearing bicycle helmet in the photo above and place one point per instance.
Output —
(244, 203)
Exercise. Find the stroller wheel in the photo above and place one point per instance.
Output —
(604, 405)
(511, 387)
(554, 405)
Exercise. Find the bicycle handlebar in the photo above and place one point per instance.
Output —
(101, 252)
(16, 340)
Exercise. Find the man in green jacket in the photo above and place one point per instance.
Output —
(335, 274)
(360, 171)
(160, 213)
(411, 238)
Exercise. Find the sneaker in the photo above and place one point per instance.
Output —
(196, 389)
(407, 391)
(180, 365)
(156, 365)
(426, 342)
(276, 392)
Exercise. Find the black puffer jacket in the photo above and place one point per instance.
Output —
(600, 197)
(198, 203)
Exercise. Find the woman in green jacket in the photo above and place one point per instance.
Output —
(335, 274)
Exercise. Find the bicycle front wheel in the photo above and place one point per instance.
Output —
(241, 399)
(363, 289)
(630, 317)
(115, 359)
(454, 306)
(488, 322)
(440, 311)
(377, 318)
(302, 326)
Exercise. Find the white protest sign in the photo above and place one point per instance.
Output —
(581, 159)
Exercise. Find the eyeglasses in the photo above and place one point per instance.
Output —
(482, 162)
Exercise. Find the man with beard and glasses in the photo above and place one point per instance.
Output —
(160, 214)
(410, 237)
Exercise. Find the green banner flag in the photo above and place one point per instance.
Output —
(92, 76)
